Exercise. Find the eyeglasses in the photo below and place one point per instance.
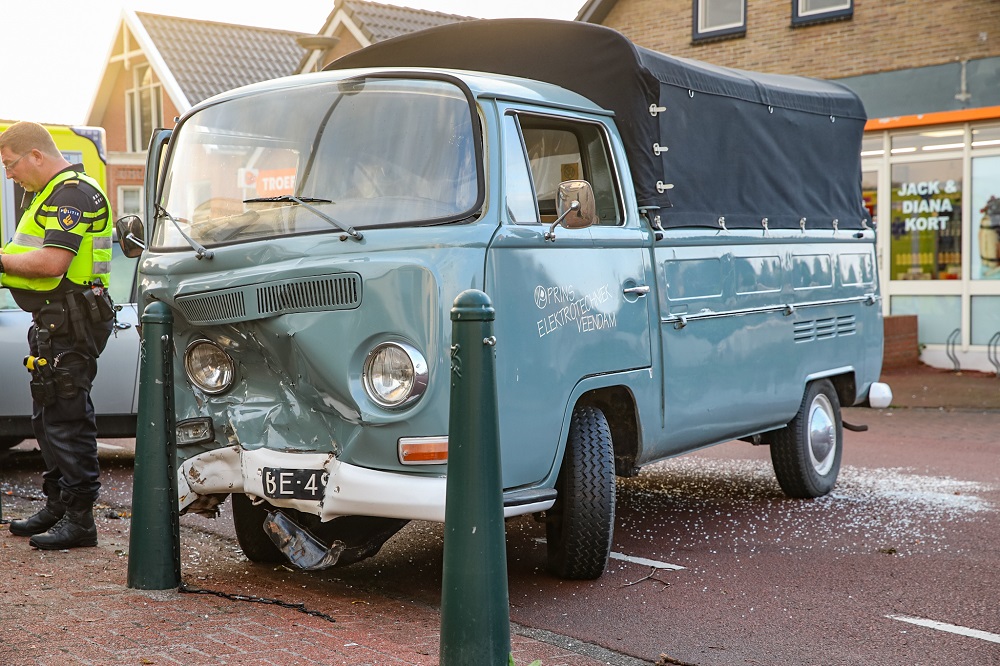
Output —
(9, 167)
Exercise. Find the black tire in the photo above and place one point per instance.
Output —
(9, 442)
(580, 525)
(362, 536)
(806, 453)
(249, 522)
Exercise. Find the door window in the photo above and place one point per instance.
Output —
(559, 150)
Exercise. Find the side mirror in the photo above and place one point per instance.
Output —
(575, 205)
(131, 236)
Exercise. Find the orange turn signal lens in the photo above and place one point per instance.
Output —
(423, 450)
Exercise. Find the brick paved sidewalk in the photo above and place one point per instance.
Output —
(922, 386)
(73, 607)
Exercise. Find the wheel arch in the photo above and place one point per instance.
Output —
(844, 382)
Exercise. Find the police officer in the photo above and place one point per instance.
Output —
(57, 267)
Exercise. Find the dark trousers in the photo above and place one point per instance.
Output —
(67, 429)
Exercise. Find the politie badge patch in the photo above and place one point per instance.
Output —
(69, 217)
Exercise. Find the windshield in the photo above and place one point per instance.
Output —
(359, 153)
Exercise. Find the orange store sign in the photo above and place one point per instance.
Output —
(275, 182)
(269, 182)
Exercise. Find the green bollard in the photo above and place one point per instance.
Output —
(154, 560)
(475, 614)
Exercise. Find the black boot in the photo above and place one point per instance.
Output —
(48, 516)
(75, 529)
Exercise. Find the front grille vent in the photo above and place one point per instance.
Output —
(309, 294)
(321, 293)
(228, 305)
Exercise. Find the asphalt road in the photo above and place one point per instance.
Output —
(712, 565)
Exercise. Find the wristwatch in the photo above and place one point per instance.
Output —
(1, 263)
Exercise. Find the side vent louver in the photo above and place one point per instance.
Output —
(824, 329)
(327, 292)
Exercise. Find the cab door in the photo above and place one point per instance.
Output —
(568, 308)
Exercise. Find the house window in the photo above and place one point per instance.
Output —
(805, 12)
(719, 18)
(143, 108)
(129, 200)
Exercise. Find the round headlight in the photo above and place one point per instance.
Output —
(208, 366)
(395, 374)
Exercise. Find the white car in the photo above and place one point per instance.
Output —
(115, 393)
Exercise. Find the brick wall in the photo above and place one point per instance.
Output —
(883, 35)
(901, 347)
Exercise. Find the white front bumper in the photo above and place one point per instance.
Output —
(350, 490)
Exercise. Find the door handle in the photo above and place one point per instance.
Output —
(640, 290)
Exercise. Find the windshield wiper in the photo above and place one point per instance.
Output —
(304, 202)
(199, 249)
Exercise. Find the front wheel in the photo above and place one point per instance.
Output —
(806, 453)
(581, 523)
(361, 536)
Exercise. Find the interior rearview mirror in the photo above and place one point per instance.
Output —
(131, 236)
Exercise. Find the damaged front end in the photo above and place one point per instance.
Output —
(307, 265)
(350, 538)
(270, 535)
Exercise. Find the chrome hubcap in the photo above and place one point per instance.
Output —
(822, 435)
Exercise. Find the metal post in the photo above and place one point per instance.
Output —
(475, 615)
(154, 561)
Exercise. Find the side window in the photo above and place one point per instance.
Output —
(560, 150)
(517, 181)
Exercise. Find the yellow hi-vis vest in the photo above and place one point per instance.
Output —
(92, 260)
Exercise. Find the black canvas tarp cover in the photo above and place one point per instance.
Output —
(742, 146)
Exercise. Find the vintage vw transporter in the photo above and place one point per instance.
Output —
(677, 253)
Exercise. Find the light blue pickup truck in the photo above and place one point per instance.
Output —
(677, 253)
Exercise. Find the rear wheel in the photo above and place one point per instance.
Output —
(580, 525)
(806, 453)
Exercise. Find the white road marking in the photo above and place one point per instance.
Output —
(646, 563)
(951, 628)
(109, 447)
(634, 560)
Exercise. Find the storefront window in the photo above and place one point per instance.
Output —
(926, 231)
(985, 319)
(928, 141)
(986, 137)
(871, 146)
(986, 218)
(938, 317)
(869, 193)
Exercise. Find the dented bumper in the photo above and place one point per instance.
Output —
(345, 489)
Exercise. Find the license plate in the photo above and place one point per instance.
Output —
(307, 484)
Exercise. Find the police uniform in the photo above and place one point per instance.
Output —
(73, 318)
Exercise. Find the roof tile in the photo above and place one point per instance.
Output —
(381, 22)
(208, 58)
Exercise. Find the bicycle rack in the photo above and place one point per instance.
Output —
(951, 344)
(992, 349)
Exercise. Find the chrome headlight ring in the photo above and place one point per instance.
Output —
(395, 374)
